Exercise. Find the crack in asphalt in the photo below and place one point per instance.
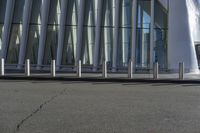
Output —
(19, 125)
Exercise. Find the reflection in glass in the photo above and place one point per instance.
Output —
(160, 35)
(16, 32)
(70, 43)
(89, 32)
(143, 34)
(34, 32)
(2, 16)
(124, 49)
(107, 30)
(52, 31)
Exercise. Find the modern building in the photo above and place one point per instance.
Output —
(146, 31)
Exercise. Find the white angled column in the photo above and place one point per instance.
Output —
(152, 34)
(80, 30)
(44, 18)
(2, 67)
(134, 33)
(27, 68)
(7, 26)
(116, 35)
(97, 35)
(25, 29)
(53, 68)
(61, 34)
(79, 69)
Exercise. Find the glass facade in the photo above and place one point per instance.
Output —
(125, 33)
(34, 32)
(70, 43)
(52, 31)
(15, 33)
(107, 31)
(124, 13)
(90, 20)
(2, 17)
(160, 35)
(143, 34)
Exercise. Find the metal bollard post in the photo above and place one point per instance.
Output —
(53, 68)
(104, 72)
(79, 69)
(155, 71)
(27, 68)
(2, 67)
(181, 70)
(130, 69)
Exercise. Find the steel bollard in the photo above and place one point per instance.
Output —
(104, 72)
(27, 68)
(130, 69)
(155, 71)
(79, 69)
(181, 70)
(2, 67)
(53, 68)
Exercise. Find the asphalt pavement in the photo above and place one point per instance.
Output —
(98, 107)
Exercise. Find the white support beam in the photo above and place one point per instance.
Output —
(7, 26)
(134, 33)
(152, 34)
(45, 15)
(25, 29)
(116, 35)
(97, 35)
(61, 34)
(80, 30)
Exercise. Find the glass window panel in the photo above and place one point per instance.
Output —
(33, 43)
(2, 17)
(160, 35)
(107, 31)
(2, 10)
(124, 49)
(70, 43)
(13, 51)
(143, 34)
(36, 12)
(69, 51)
(89, 32)
(51, 44)
(52, 32)
(16, 32)
(34, 32)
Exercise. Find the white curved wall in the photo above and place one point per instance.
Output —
(181, 43)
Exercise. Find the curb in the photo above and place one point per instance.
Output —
(98, 79)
